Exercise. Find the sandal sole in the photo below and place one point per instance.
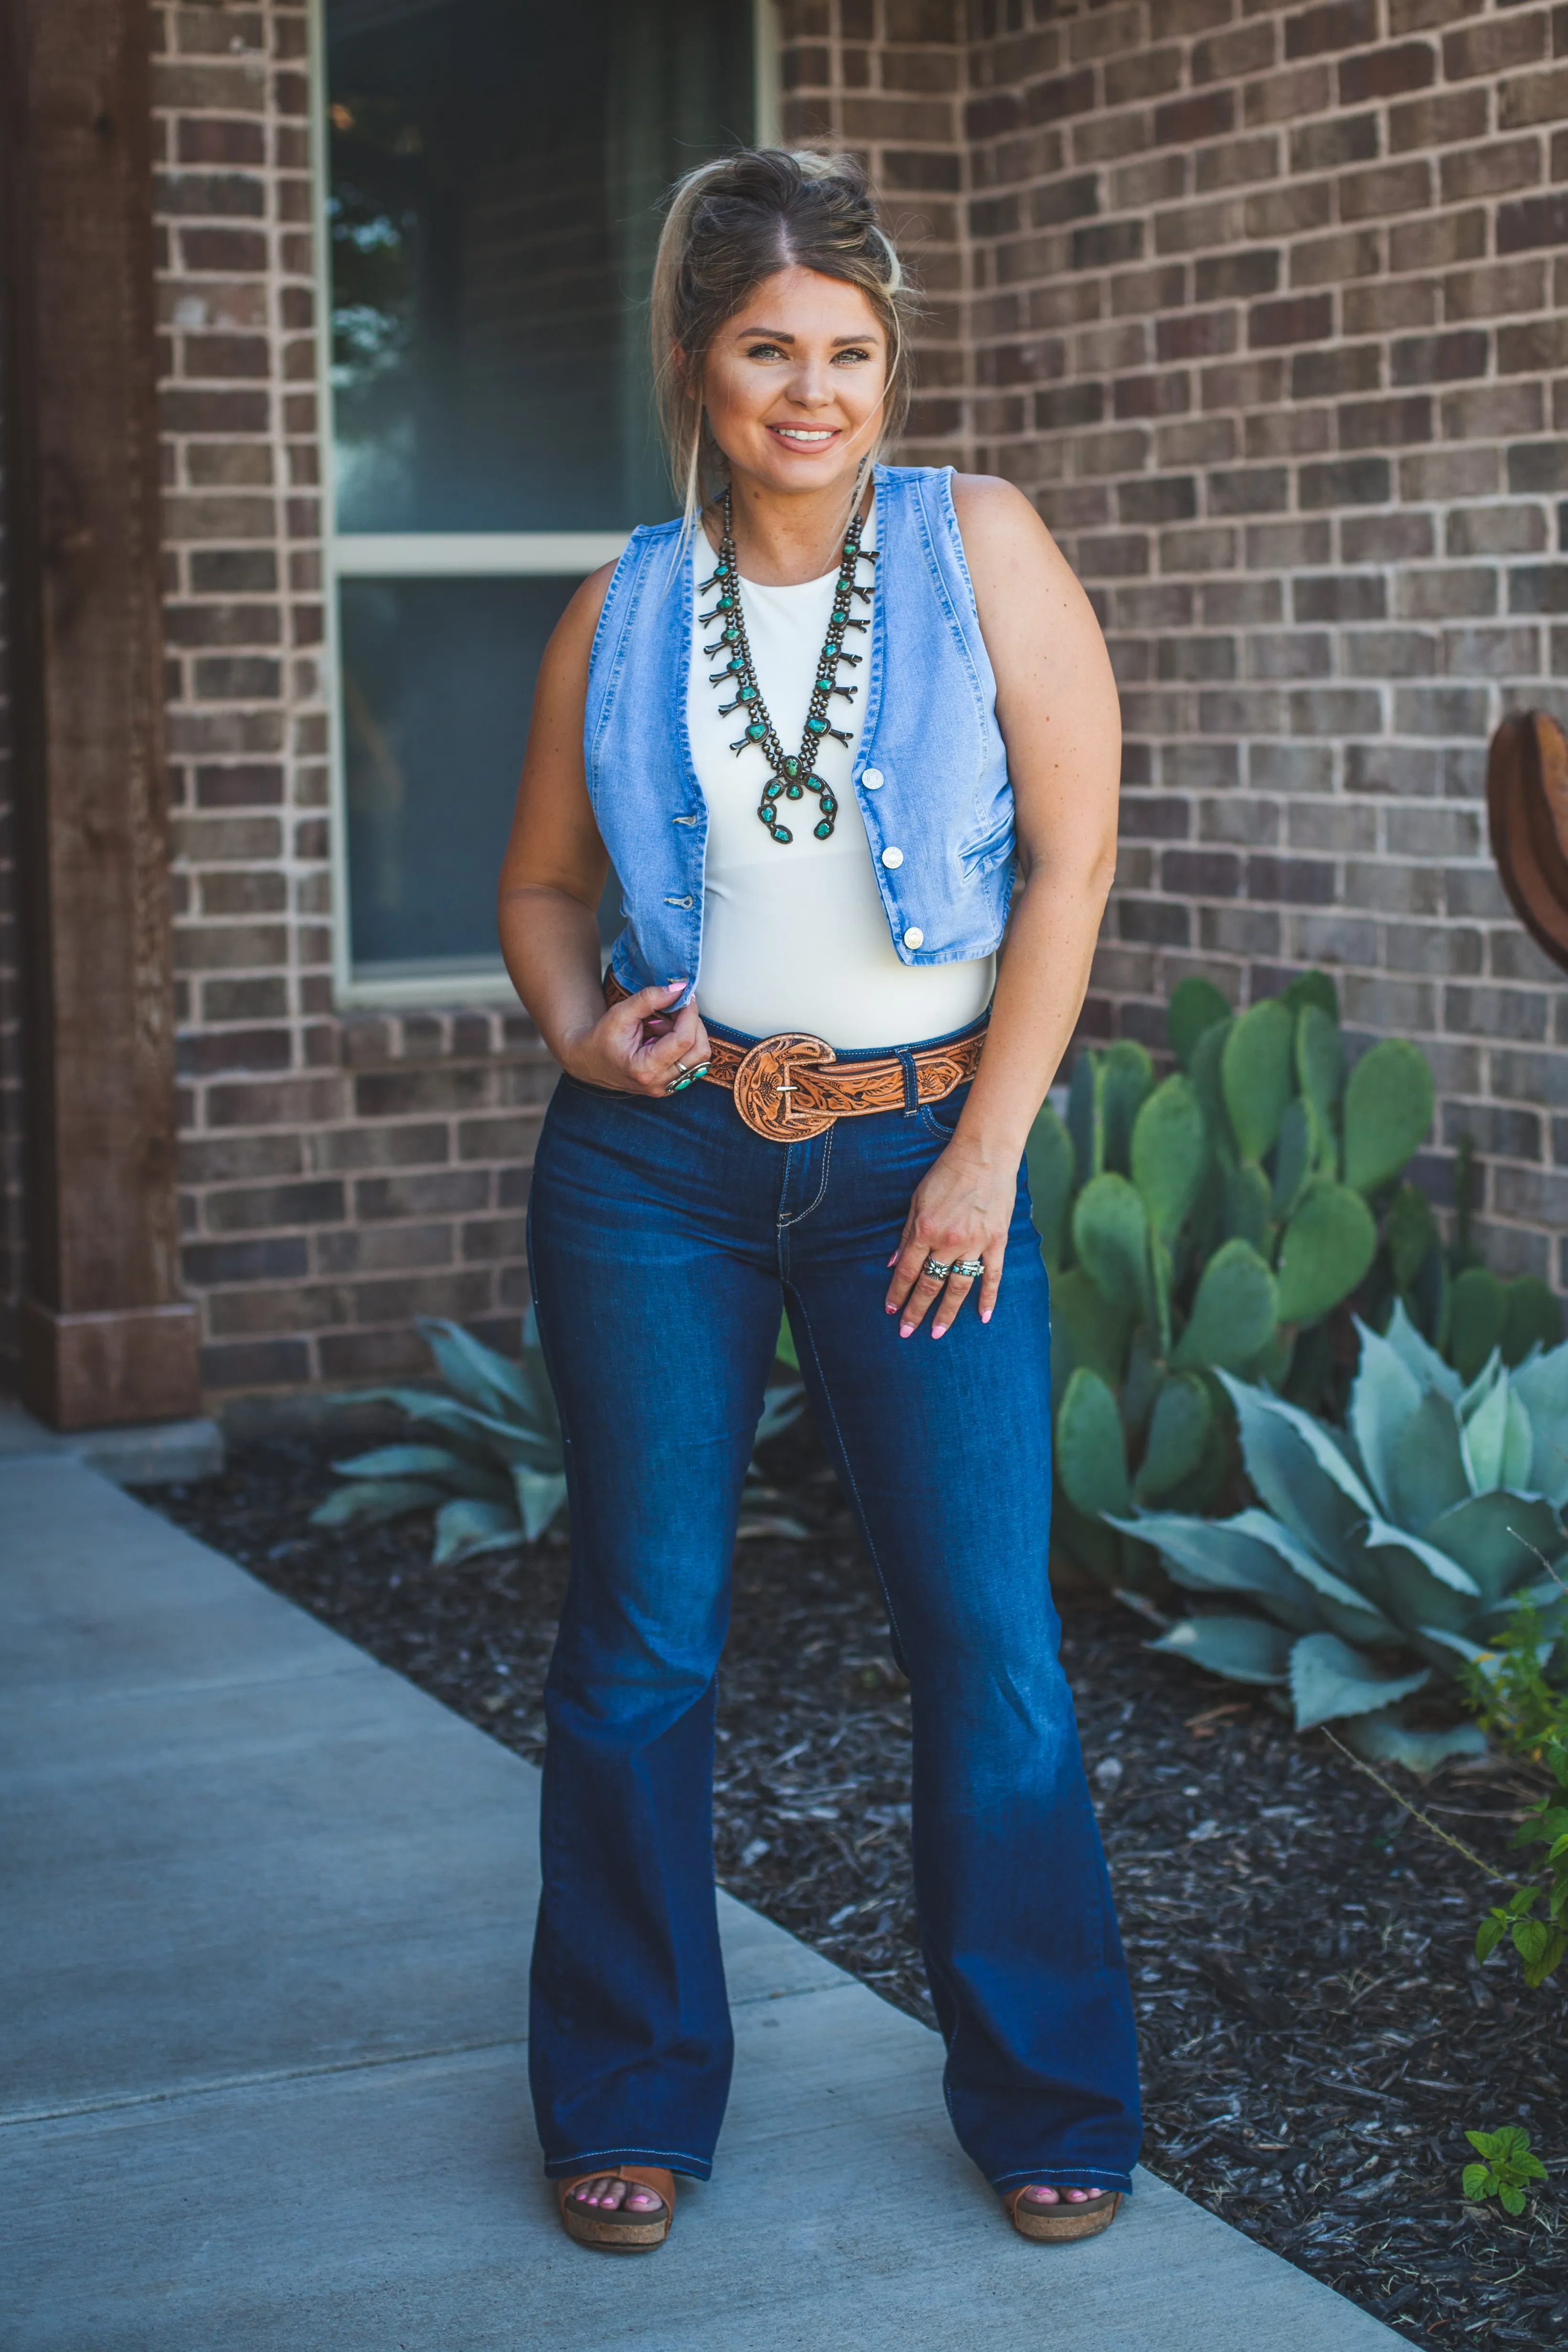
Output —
(1060, 2229)
(615, 2238)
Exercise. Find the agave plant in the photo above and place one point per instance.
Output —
(1383, 1557)
(499, 1479)
(1211, 1223)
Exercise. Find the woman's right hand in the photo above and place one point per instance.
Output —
(638, 1046)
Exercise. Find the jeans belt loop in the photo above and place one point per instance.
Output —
(911, 1081)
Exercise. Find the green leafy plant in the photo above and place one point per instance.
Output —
(1511, 1690)
(498, 1479)
(1539, 1943)
(1207, 1225)
(1384, 1557)
(1507, 2167)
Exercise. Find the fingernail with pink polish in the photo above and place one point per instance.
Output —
(905, 1329)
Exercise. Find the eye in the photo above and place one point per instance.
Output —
(851, 354)
(763, 352)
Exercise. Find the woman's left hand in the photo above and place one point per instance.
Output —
(961, 1211)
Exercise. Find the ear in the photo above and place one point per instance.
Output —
(690, 390)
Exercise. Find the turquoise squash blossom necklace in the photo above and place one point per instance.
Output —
(792, 778)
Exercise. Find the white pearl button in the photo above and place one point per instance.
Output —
(915, 936)
(871, 779)
(893, 856)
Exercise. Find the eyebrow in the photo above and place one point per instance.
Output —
(781, 335)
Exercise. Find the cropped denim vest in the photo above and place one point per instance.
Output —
(930, 772)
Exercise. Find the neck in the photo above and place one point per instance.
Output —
(782, 538)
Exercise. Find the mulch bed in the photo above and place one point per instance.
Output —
(1316, 2034)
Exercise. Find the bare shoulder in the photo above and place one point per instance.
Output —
(580, 617)
(995, 517)
(564, 668)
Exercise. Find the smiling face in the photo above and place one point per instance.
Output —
(794, 383)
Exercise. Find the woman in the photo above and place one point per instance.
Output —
(784, 1102)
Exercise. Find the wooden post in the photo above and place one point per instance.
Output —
(105, 1337)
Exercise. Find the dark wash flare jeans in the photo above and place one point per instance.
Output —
(665, 1237)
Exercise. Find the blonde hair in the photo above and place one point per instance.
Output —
(732, 224)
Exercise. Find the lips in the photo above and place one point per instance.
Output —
(808, 437)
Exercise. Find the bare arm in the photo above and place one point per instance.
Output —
(552, 877)
(1057, 710)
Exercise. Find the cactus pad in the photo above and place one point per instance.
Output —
(1411, 1231)
(1535, 1318)
(1388, 1103)
(1247, 1201)
(1234, 1313)
(1294, 1157)
(1050, 1169)
(1312, 987)
(1320, 1058)
(1129, 1081)
(1179, 1432)
(1090, 1452)
(1084, 1330)
(1325, 1252)
(1257, 1073)
(1111, 1240)
(1169, 1153)
(1477, 1314)
(1196, 1005)
(1086, 1115)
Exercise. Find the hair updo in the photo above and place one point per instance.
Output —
(733, 224)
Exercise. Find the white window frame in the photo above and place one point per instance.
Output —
(432, 555)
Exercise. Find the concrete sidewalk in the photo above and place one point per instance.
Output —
(267, 1912)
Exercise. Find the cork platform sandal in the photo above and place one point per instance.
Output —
(1055, 2224)
(615, 2231)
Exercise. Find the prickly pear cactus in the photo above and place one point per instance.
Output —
(1218, 1221)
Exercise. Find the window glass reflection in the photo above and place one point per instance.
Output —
(495, 171)
(437, 678)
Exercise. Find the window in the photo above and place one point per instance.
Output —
(492, 172)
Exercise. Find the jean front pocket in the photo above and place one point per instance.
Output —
(943, 1115)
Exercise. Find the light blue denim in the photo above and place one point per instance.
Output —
(943, 800)
(665, 1239)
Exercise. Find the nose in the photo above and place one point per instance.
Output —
(811, 386)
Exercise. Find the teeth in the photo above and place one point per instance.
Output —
(794, 433)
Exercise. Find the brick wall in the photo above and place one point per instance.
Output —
(339, 1175)
(1268, 315)
(888, 78)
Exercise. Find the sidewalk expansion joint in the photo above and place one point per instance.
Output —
(263, 2079)
(266, 2076)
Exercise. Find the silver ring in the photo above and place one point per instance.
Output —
(971, 1268)
(936, 1269)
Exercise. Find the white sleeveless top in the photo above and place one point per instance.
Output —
(794, 937)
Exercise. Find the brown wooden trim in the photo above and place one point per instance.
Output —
(90, 1372)
(82, 469)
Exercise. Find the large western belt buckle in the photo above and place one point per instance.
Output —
(772, 1088)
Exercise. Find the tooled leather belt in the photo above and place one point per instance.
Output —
(791, 1086)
